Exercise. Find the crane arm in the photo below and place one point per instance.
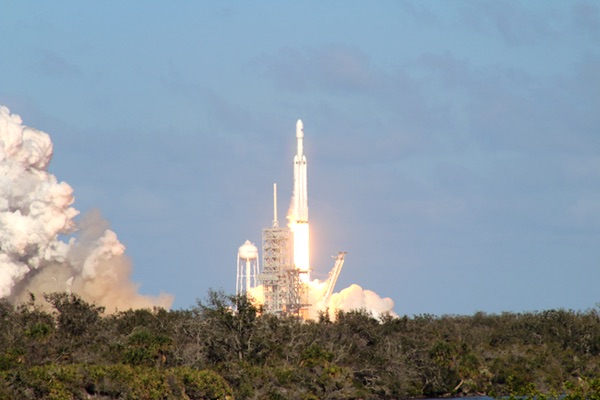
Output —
(334, 274)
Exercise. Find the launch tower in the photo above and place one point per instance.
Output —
(283, 291)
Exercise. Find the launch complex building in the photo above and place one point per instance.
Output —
(283, 283)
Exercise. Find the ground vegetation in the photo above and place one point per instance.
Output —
(224, 347)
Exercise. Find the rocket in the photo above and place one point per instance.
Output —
(300, 183)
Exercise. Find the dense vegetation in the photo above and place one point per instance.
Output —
(75, 351)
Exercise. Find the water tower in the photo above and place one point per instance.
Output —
(247, 268)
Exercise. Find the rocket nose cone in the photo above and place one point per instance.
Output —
(299, 129)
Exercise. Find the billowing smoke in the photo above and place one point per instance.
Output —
(34, 210)
(355, 297)
(351, 298)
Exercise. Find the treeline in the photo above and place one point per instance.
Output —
(74, 350)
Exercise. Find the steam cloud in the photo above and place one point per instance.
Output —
(351, 298)
(355, 297)
(34, 210)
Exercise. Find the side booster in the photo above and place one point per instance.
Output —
(300, 179)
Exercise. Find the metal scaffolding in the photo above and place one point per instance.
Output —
(333, 275)
(284, 293)
(275, 254)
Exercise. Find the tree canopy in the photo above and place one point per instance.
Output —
(224, 347)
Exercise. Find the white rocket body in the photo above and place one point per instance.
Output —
(300, 180)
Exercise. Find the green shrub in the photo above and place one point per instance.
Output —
(203, 384)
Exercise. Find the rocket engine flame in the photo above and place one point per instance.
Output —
(34, 210)
(301, 249)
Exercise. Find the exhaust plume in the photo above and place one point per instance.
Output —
(355, 297)
(34, 210)
(351, 298)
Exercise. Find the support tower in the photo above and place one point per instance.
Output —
(283, 291)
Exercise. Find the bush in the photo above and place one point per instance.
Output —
(48, 382)
(203, 384)
(79, 382)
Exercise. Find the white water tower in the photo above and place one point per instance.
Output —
(247, 268)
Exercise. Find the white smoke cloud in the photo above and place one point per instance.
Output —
(34, 210)
(355, 297)
(351, 298)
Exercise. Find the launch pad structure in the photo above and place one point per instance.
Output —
(285, 274)
(283, 291)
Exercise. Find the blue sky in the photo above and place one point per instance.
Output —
(453, 147)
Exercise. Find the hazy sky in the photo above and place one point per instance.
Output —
(453, 147)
